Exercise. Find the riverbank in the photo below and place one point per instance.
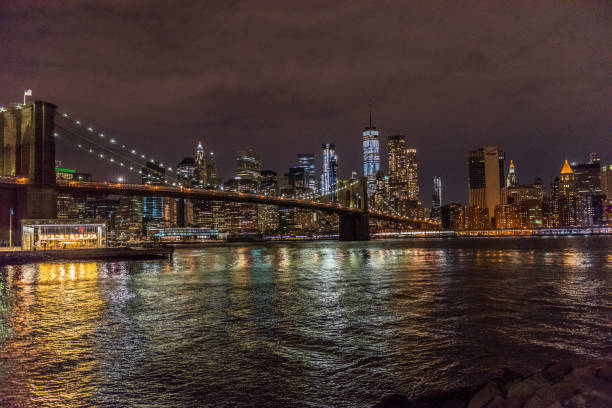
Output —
(559, 384)
(96, 254)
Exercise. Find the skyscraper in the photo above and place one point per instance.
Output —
(186, 172)
(157, 212)
(436, 199)
(329, 174)
(371, 155)
(403, 176)
(512, 179)
(486, 178)
(567, 196)
(306, 161)
(248, 166)
(397, 168)
(590, 197)
(412, 175)
(200, 173)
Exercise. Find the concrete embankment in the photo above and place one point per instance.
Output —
(587, 385)
(101, 254)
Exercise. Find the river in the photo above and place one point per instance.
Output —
(299, 324)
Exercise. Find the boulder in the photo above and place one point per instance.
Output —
(484, 396)
(557, 370)
(528, 386)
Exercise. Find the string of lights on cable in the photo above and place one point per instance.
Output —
(100, 152)
(112, 141)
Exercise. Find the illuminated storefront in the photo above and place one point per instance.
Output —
(63, 234)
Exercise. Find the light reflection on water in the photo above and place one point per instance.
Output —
(299, 324)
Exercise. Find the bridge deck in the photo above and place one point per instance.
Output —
(96, 188)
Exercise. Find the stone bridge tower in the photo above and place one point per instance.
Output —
(27, 149)
(355, 227)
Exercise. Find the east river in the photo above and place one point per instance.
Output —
(299, 324)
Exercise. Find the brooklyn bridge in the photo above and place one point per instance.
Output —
(29, 189)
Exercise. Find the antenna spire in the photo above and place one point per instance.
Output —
(370, 114)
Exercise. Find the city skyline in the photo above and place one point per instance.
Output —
(512, 83)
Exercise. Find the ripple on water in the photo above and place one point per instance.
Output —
(308, 324)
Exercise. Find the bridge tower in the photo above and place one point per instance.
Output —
(355, 227)
(27, 149)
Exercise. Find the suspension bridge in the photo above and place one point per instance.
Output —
(28, 183)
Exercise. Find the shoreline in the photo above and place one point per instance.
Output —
(93, 254)
(559, 384)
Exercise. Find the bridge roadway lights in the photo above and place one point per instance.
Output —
(354, 227)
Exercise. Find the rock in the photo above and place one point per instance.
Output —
(484, 396)
(394, 401)
(500, 402)
(577, 401)
(546, 396)
(528, 386)
(556, 371)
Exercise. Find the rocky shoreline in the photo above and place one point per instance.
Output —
(558, 385)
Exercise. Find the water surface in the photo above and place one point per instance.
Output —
(304, 324)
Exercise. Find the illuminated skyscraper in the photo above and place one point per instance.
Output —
(371, 155)
(512, 179)
(200, 166)
(248, 166)
(186, 172)
(436, 199)
(590, 199)
(486, 178)
(157, 212)
(306, 161)
(412, 174)
(329, 174)
(398, 189)
(403, 176)
(567, 196)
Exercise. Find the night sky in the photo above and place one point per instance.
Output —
(282, 77)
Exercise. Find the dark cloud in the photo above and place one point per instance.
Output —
(284, 77)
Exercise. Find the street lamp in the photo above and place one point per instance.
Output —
(11, 229)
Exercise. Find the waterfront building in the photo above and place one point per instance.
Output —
(63, 234)
(128, 219)
(157, 212)
(511, 179)
(453, 216)
(606, 188)
(104, 209)
(507, 216)
(486, 178)
(589, 192)
(477, 218)
(529, 200)
(329, 174)
(436, 199)
(371, 155)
